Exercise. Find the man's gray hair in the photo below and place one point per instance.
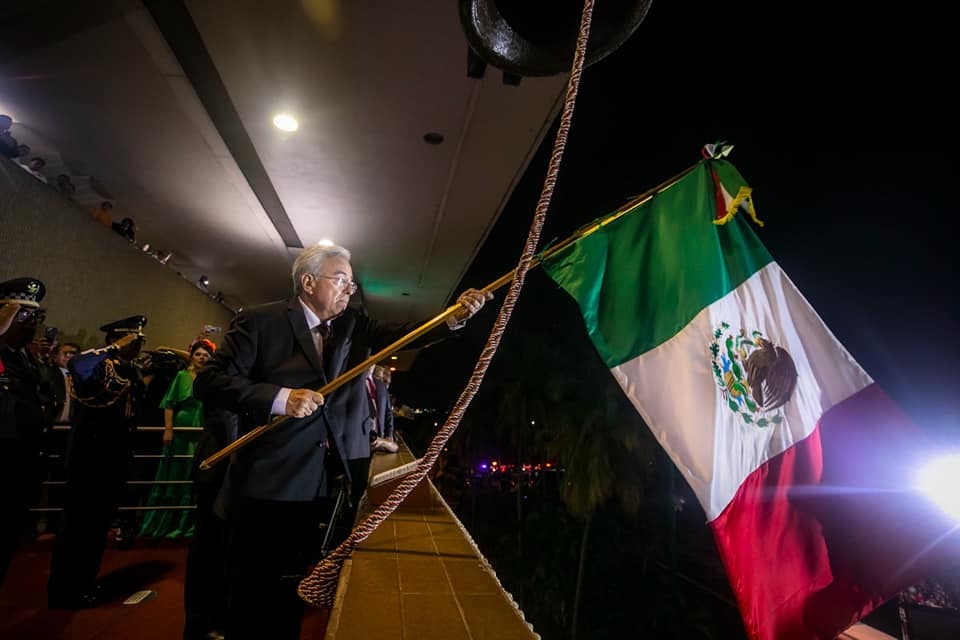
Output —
(311, 260)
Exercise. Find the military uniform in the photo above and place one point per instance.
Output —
(106, 389)
(26, 411)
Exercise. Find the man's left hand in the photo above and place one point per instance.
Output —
(471, 301)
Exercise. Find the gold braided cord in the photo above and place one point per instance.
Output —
(319, 587)
(113, 383)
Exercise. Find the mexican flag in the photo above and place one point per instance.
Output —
(803, 465)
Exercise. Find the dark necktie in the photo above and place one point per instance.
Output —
(372, 395)
(320, 334)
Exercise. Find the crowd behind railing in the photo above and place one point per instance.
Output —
(103, 211)
(106, 443)
(157, 501)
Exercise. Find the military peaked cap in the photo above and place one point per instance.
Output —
(27, 292)
(133, 324)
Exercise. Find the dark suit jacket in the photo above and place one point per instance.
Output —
(270, 347)
(359, 418)
(219, 430)
(30, 397)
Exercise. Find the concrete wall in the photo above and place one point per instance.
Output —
(92, 275)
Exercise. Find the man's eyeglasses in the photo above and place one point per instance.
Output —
(342, 282)
(28, 315)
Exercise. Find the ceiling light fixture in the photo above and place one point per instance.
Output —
(325, 243)
(285, 122)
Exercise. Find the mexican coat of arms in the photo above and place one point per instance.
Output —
(756, 377)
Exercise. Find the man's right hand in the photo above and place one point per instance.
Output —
(7, 313)
(303, 402)
(126, 339)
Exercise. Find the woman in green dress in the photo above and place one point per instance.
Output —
(180, 409)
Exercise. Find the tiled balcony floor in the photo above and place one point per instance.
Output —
(419, 577)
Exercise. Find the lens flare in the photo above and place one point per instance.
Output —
(939, 480)
(285, 122)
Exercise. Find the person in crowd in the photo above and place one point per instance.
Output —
(381, 394)
(107, 390)
(61, 356)
(157, 368)
(8, 144)
(103, 213)
(52, 443)
(65, 186)
(35, 168)
(205, 584)
(25, 409)
(180, 409)
(126, 228)
(270, 362)
(42, 348)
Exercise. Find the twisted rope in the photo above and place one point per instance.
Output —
(319, 588)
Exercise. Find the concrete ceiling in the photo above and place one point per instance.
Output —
(166, 108)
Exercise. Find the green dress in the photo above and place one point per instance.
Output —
(188, 412)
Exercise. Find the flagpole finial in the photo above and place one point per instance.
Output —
(716, 150)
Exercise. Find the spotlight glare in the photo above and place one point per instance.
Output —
(285, 122)
(325, 243)
(939, 480)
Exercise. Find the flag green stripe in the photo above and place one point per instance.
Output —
(640, 279)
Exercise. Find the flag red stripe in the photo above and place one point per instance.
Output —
(720, 203)
(829, 529)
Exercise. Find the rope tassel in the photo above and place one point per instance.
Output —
(319, 588)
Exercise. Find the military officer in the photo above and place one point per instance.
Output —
(25, 409)
(106, 388)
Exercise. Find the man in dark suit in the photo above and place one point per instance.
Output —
(385, 441)
(271, 361)
(59, 378)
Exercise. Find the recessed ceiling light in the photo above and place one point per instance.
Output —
(432, 137)
(285, 122)
(325, 243)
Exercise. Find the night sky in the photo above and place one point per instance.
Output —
(848, 136)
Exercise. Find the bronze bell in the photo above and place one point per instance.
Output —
(538, 37)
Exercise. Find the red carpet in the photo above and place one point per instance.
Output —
(156, 566)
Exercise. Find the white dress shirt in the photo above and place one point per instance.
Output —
(279, 406)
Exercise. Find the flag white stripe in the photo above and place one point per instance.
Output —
(674, 388)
